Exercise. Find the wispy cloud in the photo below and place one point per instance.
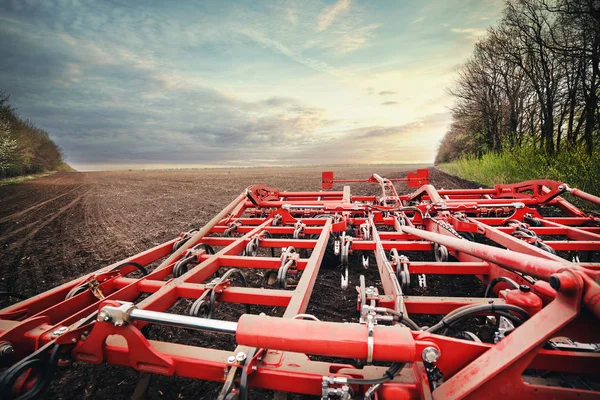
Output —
(356, 39)
(291, 15)
(294, 55)
(329, 14)
(420, 19)
(203, 83)
(370, 142)
(470, 33)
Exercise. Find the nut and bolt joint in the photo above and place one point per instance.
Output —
(103, 316)
(430, 354)
(60, 331)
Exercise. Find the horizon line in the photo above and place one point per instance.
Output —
(149, 167)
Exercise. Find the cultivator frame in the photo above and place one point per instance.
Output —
(496, 234)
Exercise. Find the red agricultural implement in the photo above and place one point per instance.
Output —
(533, 332)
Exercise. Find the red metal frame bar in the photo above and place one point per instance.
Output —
(497, 235)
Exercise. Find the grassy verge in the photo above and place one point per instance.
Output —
(19, 179)
(572, 166)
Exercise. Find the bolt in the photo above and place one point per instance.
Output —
(241, 356)
(430, 354)
(73, 340)
(60, 331)
(231, 359)
(103, 316)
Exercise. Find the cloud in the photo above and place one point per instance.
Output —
(125, 107)
(291, 15)
(356, 39)
(206, 84)
(329, 14)
(470, 33)
(382, 144)
(420, 19)
(294, 55)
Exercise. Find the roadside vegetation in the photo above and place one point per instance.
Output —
(23, 178)
(25, 149)
(527, 100)
(572, 166)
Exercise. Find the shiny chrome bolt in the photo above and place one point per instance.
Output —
(241, 356)
(60, 331)
(103, 316)
(430, 354)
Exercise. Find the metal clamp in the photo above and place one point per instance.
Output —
(289, 259)
(299, 228)
(204, 308)
(345, 242)
(183, 238)
(343, 392)
(401, 263)
(252, 246)
(119, 316)
(440, 252)
(190, 256)
(371, 321)
(277, 219)
(366, 230)
(344, 246)
(231, 228)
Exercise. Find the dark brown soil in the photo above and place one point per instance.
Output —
(59, 227)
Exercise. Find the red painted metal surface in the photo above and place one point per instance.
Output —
(540, 309)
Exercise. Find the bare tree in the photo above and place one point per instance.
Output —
(535, 78)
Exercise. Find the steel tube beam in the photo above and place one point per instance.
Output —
(183, 321)
(586, 196)
(524, 263)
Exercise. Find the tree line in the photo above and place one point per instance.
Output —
(24, 148)
(532, 80)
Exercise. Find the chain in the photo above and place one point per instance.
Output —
(447, 227)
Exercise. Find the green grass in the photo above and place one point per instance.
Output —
(572, 166)
(19, 179)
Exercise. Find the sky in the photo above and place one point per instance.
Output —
(142, 84)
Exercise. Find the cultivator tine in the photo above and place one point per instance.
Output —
(538, 277)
